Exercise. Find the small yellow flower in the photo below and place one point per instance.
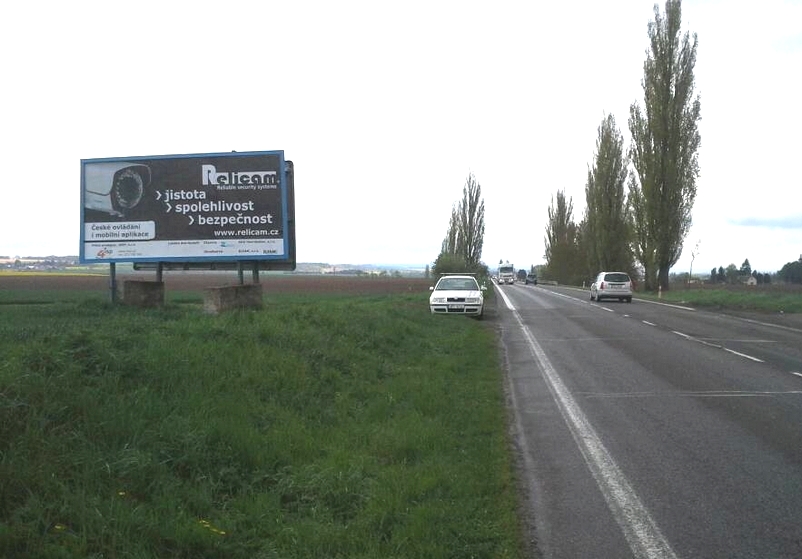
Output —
(208, 525)
(58, 527)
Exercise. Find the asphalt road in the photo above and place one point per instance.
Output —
(653, 431)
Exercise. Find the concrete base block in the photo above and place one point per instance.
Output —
(220, 299)
(146, 294)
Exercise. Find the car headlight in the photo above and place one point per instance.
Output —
(437, 300)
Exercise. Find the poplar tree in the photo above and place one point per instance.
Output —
(606, 228)
(664, 149)
(471, 219)
(462, 245)
(561, 241)
(450, 242)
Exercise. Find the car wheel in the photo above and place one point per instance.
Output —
(629, 299)
(598, 298)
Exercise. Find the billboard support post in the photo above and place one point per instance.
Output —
(254, 271)
(113, 281)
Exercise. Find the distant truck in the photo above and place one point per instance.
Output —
(506, 274)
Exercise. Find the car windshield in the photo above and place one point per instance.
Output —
(616, 277)
(457, 284)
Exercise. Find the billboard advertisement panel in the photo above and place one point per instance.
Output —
(201, 207)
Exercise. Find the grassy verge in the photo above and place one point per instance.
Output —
(319, 427)
(765, 299)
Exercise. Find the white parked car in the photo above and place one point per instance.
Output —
(457, 294)
(612, 285)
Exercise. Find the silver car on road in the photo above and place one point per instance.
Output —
(611, 285)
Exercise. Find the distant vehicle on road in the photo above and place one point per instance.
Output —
(506, 274)
(531, 277)
(611, 285)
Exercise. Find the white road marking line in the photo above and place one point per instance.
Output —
(797, 374)
(641, 532)
(667, 305)
(739, 354)
(769, 324)
(700, 394)
(648, 323)
(744, 341)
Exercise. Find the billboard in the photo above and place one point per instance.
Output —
(212, 207)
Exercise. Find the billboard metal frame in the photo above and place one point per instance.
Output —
(186, 212)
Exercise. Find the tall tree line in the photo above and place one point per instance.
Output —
(563, 256)
(602, 240)
(664, 150)
(461, 249)
(660, 170)
(607, 230)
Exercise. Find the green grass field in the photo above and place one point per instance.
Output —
(775, 298)
(319, 427)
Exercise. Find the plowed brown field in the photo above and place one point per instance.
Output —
(192, 281)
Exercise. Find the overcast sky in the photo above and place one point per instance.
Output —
(386, 107)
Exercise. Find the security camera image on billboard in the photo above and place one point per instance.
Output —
(225, 206)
